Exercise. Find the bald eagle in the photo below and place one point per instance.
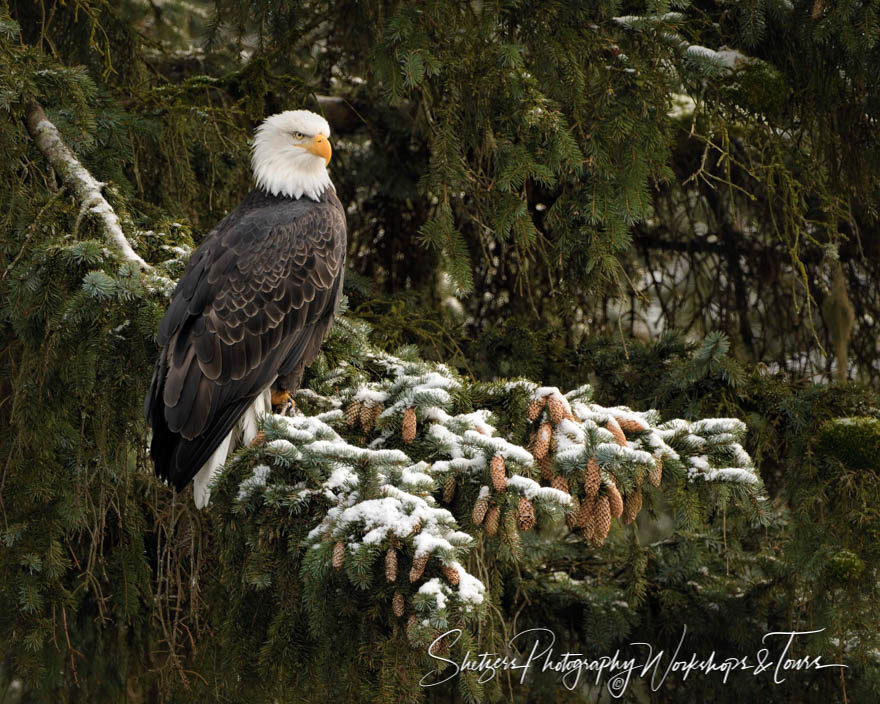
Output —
(252, 307)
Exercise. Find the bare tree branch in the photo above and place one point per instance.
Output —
(83, 185)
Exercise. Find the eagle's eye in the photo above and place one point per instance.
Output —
(298, 135)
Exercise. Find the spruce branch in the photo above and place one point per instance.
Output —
(378, 494)
(84, 186)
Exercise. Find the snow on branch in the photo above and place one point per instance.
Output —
(86, 188)
(411, 473)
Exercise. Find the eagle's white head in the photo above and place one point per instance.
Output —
(290, 154)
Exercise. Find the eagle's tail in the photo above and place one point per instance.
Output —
(164, 441)
(177, 459)
(211, 468)
(244, 431)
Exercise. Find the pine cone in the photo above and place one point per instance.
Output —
(391, 565)
(546, 465)
(451, 574)
(592, 478)
(411, 626)
(587, 529)
(408, 433)
(398, 603)
(571, 517)
(632, 504)
(418, 567)
(655, 475)
(619, 437)
(525, 514)
(417, 527)
(353, 413)
(631, 425)
(493, 515)
(535, 407)
(584, 517)
(561, 483)
(542, 442)
(615, 500)
(498, 473)
(375, 412)
(601, 520)
(338, 554)
(449, 488)
(480, 507)
(259, 438)
(366, 416)
(556, 408)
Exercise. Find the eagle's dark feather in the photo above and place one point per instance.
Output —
(254, 303)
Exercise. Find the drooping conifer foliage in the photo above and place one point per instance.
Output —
(610, 267)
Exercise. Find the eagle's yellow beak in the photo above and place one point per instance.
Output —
(319, 146)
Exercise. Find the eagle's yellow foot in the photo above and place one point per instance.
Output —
(282, 402)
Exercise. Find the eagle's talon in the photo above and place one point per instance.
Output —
(282, 402)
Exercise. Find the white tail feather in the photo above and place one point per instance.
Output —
(246, 430)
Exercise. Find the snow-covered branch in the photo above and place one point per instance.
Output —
(409, 469)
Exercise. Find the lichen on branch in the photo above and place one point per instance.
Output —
(83, 185)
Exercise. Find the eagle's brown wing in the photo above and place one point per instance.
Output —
(254, 303)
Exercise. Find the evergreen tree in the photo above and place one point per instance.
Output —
(675, 202)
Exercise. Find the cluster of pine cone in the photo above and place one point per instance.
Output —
(488, 513)
(594, 501)
(364, 412)
(417, 570)
(367, 412)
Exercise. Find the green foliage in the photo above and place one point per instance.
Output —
(346, 479)
(853, 441)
